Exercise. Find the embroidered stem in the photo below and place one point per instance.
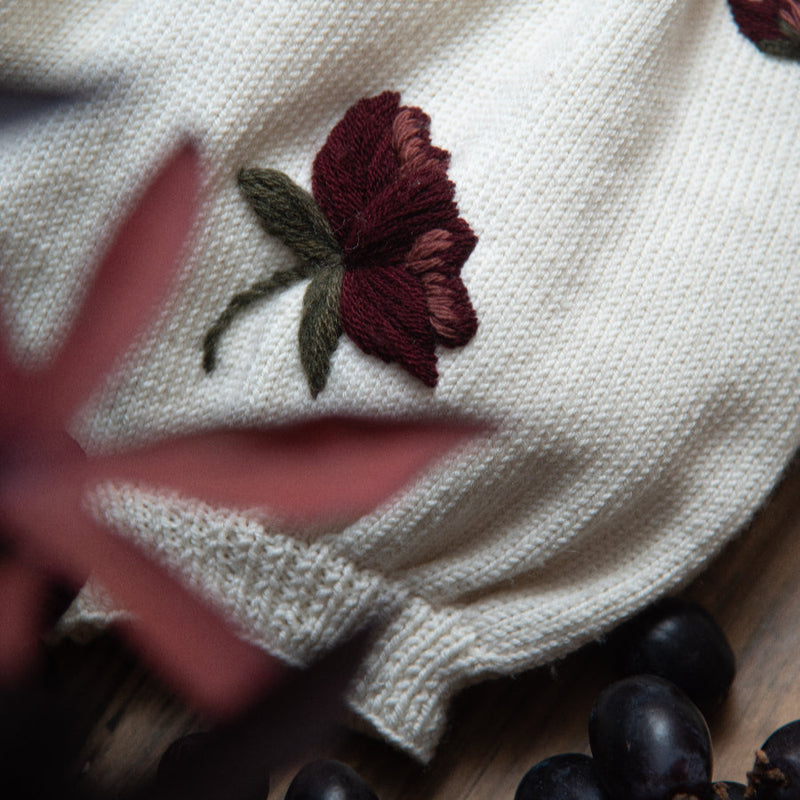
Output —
(241, 301)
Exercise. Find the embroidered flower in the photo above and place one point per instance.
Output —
(774, 25)
(380, 240)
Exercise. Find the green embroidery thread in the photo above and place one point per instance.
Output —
(292, 215)
(321, 326)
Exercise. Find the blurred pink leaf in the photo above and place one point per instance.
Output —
(129, 285)
(191, 645)
(44, 472)
(330, 470)
(21, 597)
(11, 383)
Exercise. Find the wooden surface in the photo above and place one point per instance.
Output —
(500, 729)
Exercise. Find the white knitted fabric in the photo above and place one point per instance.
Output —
(631, 170)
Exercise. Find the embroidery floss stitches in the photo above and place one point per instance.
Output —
(380, 240)
(773, 25)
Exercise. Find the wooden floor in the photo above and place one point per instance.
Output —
(500, 729)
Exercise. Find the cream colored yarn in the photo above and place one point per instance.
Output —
(631, 170)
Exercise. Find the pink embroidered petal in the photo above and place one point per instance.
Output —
(452, 315)
(190, 645)
(332, 470)
(411, 140)
(435, 258)
(356, 162)
(129, 285)
(789, 15)
(385, 313)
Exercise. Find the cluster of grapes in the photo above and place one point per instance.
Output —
(648, 737)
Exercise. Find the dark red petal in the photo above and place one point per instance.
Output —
(131, 282)
(411, 205)
(385, 313)
(190, 644)
(356, 162)
(462, 243)
(757, 19)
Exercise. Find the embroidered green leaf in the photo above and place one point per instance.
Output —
(780, 47)
(321, 325)
(788, 29)
(291, 214)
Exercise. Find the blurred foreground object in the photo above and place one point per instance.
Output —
(319, 471)
(45, 474)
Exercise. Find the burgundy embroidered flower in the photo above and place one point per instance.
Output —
(774, 25)
(381, 241)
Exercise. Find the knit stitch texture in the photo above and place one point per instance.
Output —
(630, 168)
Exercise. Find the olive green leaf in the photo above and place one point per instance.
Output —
(789, 30)
(321, 325)
(290, 213)
(780, 47)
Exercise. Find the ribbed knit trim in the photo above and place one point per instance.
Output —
(297, 600)
(427, 654)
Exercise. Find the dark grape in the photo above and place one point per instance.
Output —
(679, 641)
(776, 772)
(649, 740)
(569, 776)
(179, 755)
(727, 790)
(328, 780)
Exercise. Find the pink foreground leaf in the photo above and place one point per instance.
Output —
(190, 644)
(22, 592)
(129, 286)
(333, 470)
(12, 405)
